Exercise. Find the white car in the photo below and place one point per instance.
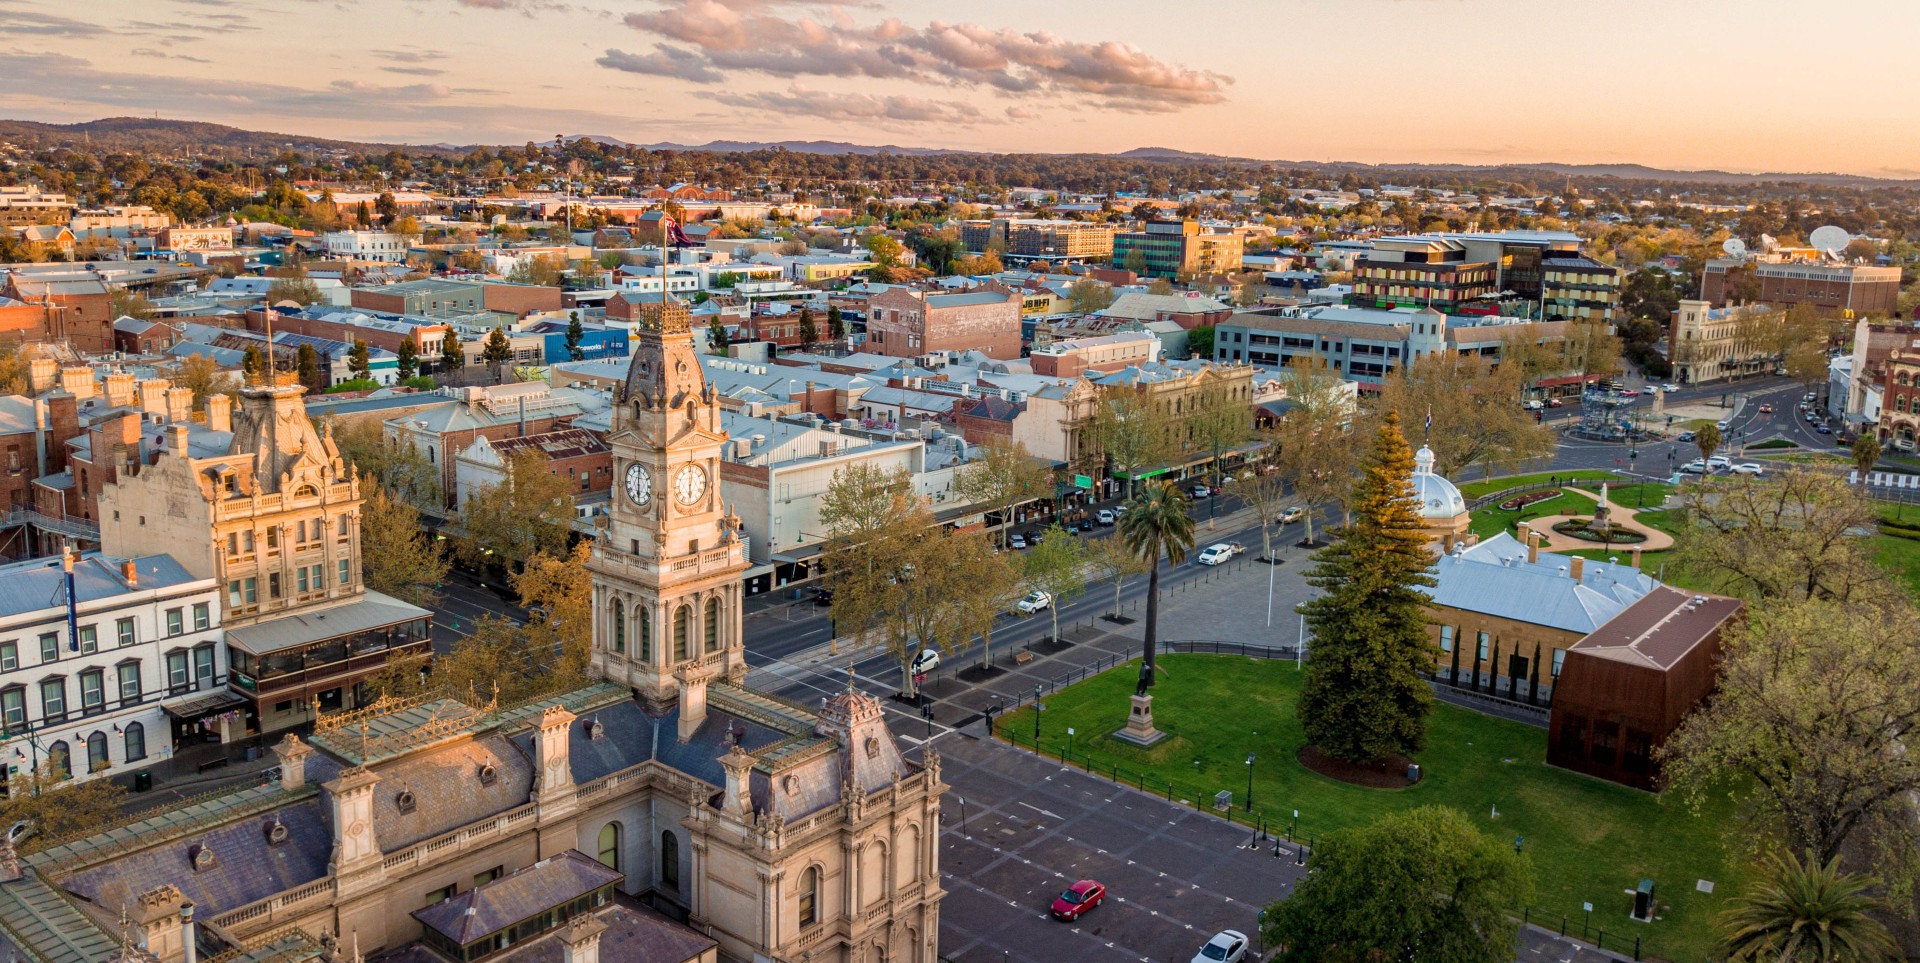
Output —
(1198, 492)
(1219, 552)
(1695, 467)
(1106, 516)
(927, 661)
(1017, 541)
(1669, 387)
(1650, 390)
(1536, 405)
(1720, 463)
(1227, 946)
(1034, 602)
(1748, 468)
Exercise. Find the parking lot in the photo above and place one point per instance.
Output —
(1175, 876)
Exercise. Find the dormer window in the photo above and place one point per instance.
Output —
(405, 802)
(201, 856)
(276, 832)
(488, 775)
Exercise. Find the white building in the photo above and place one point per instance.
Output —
(366, 245)
(88, 680)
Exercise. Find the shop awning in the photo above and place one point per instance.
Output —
(206, 705)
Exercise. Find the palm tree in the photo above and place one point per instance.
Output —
(1155, 521)
(1806, 911)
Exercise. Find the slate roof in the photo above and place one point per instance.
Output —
(38, 923)
(635, 933)
(39, 584)
(1495, 578)
(519, 895)
(246, 866)
(447, 789)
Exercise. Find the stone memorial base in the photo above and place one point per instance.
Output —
(1139, 729)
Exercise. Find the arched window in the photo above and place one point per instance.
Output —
(810, 896)
(619, 626)
(136, 739)
(1900, 404)
(97, 760)
(670, 861)
(60, 761)
(710, 617)
(1902, 378)
(646, 634)
(610, 846)
(681, 616)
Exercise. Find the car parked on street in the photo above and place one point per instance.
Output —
(1695, 467)
(1219, 552)
(1650, 390)
(927, 661)
(1823, 429)
(1669, 387)
(1227, 946)
(1017, 541)
(1079, 898)
(1292, 515)
(1198, 492)
(1036, 601)
(1719, 463)
(1748, 468)
(1106, 516)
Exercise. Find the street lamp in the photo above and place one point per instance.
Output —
(1038, 707)
(1249, 782)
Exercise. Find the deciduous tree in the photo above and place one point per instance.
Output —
(1132, 434)
(1087, 295)
(56, 806)
(528, 512)
(203, 377)
(1319, 449)
(1001, 477)
(558, 591)
(1058, 567)
(1796, 536)
(1364, 699)
(399, 557)
(1477, 416)
(1422, 884)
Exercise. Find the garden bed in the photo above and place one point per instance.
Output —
(1521, 501)
(1388, 773)
(1577, 528)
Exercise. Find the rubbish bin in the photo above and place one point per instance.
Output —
(253, 752)
(1413, 772)
(142, 781)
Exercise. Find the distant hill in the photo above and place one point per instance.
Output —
(154, 134)
(802, 147)
(159, 135)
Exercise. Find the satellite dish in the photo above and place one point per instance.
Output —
(1829, 240)
(1769, 243)
(1734, 247)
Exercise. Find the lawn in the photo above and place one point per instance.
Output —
(1488, 486)
(1491, 520)
(1589, 839)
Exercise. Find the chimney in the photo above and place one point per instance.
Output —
(580, 941)
(77, 380)
(179, 405)
(1533, 548)
(119, 389)
(177, 433)
(220, 412)
(129, 574)
(158, 916)
(693, 700)
(551, 760)
(63, 425)
(1636, 556)
(1579, 568)
(153, 396)
(737, 799)
(42, 374)
(293, 762)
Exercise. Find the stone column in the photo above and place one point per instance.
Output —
(293, 756)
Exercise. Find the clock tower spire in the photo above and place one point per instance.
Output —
(667, 562)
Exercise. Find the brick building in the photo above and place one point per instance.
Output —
(1069, 357)
(77, 307)
(986, 418)
(135, 336)
(908, 324)
(1623, 689)
(348, 327)
(1860, 289)
(573, 454)
(496, 413)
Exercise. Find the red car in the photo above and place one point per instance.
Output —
(1079, 898)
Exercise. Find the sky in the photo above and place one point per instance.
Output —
(1758, 85)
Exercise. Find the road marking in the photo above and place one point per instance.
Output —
(1041, 811)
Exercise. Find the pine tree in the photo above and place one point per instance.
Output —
(1364, 698)
(251, 366)
(408, 358)
(717, 336)
(1533, 677)
(1454, 678)
(575, 333)
(307, 363)
(452, 356)
(497, 349)
(836, 325)
(808, 332)
(358, 360)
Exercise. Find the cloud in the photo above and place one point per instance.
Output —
(163, 55)
(750, 36)
(414, 71)
(890, 110)
(665, 61)
(409, 56)
(46, 25)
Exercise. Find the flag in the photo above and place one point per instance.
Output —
(1429, 419)
(674, 235)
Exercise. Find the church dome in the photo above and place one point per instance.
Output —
(1438, 498)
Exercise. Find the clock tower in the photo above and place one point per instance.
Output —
(667, 563)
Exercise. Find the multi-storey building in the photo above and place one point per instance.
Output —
(77, 306)
(1175, 248)
(367, 245)
(1033, 239)
(1784, 279)
(1899, 390)
(495, 412)
(21, 206)
(1367, 345)
(1449, 272)
(272, 513)
(904, 323)
(97, 654)
(1705, 343)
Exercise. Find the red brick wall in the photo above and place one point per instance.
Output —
(373, 300)
(521, 299)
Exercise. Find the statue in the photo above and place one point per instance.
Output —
(1602, 524)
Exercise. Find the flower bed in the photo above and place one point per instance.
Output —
(1518, 502)
(1577, 528)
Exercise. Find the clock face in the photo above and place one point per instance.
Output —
(689, 484)
(639, 485)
